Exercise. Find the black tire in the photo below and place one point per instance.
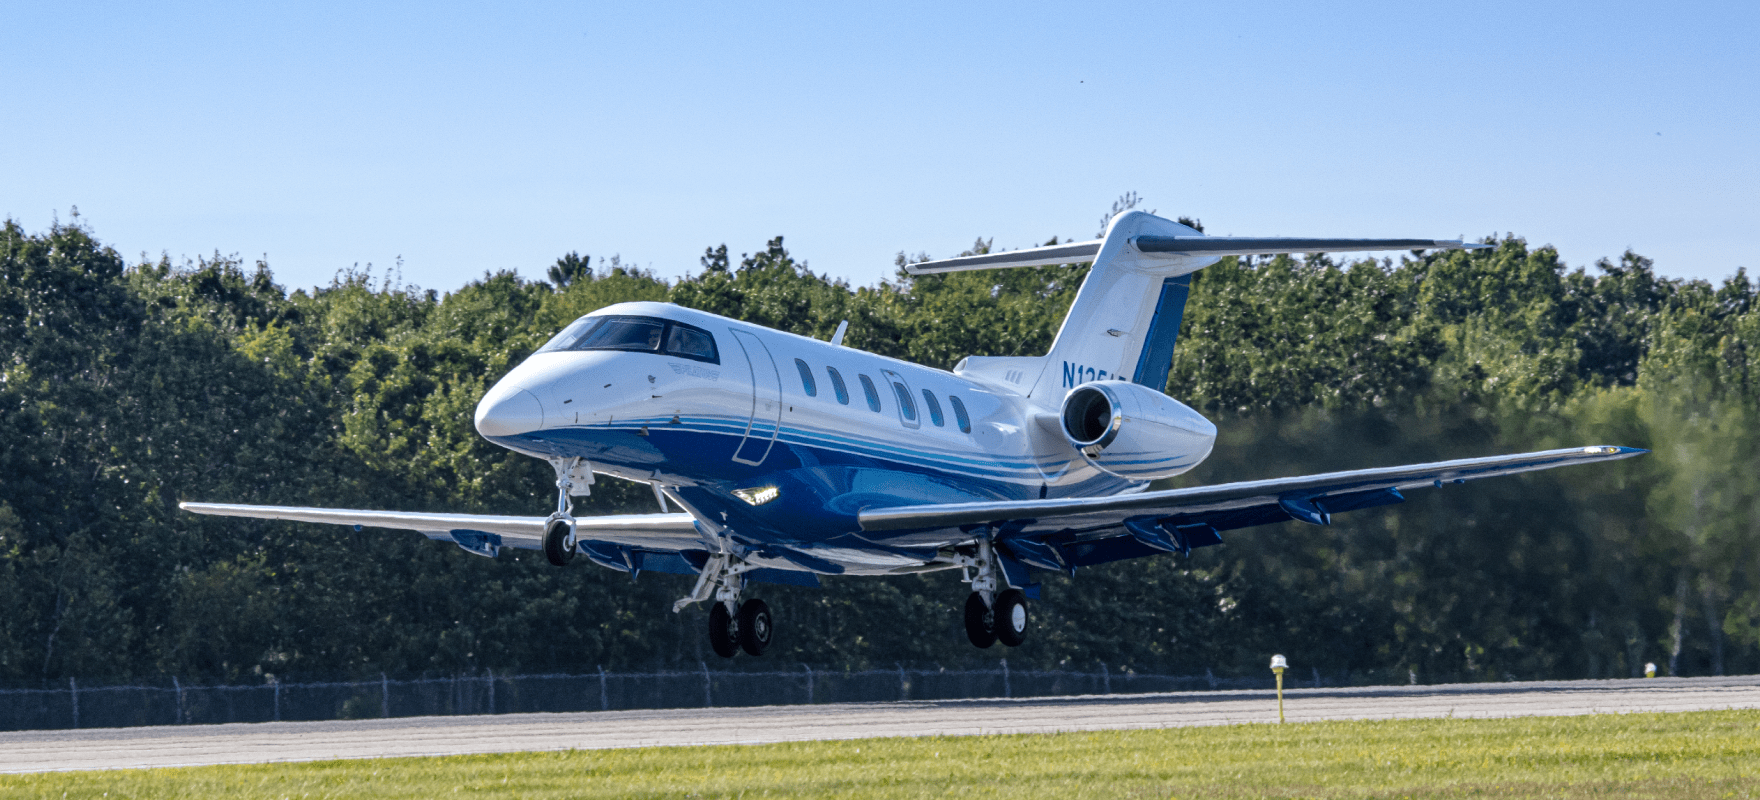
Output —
(1011, 617)
(556, 547)
(980, 623)
(755, 627)
(723, 630)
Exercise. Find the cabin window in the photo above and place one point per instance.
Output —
(905, 406)
(807, 384)
(934, 407)
(959, 414)
(637, 335)
(869, 390)
(837, 385)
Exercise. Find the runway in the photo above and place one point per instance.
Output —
(177, 746)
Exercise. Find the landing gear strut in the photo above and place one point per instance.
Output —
(993, 613)
(733, 625)
(574, 478)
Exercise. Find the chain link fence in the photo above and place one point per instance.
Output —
(176, 703)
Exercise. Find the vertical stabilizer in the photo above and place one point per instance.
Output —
(1126, 317)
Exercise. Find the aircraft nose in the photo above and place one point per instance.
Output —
(509, 413)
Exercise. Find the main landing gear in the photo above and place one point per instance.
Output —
(745, 626)
(992, 616)
(733, 625)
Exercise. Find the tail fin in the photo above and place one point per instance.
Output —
(1126, 317)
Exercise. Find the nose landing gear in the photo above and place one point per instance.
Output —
(992, 613)
(574, 478)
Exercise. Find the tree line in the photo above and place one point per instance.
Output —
(125, 388)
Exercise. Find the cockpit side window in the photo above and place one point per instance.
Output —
(636, 334)
(687, 341)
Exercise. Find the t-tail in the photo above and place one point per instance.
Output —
(1125, 320)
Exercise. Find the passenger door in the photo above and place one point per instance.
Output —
(766, 419)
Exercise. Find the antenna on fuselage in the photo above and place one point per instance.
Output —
(837, 338)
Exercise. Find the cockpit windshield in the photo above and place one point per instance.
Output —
(636, 334)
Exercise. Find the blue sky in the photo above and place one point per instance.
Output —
(471, 138)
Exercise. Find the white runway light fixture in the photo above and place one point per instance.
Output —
(1278, 665)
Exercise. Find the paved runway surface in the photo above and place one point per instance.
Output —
(169, 746)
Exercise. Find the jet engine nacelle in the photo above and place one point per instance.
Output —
(1132, 431)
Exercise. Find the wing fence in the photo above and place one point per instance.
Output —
(178, 703)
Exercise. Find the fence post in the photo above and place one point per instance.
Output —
(177, 696)
(604, 696)
(491, 691)
(1105, 678)
(809, 683)
(1211, 677)
(904, 689)
(73, 686)
(277, 683)
(708, 697)
(1316, 677)
(384, 695)
(1006, 691)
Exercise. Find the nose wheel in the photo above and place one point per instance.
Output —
(559, 541)
(574, 478)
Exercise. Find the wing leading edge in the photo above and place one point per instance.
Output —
(1066, 533)
(625, 542)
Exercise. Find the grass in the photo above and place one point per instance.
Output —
(1700, 754)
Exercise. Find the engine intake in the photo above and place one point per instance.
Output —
(1132, 431)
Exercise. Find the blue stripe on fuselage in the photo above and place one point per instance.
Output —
(825, 479)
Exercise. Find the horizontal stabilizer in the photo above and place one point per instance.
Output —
(1072, 253)
(1076, 252)
(1270, 245)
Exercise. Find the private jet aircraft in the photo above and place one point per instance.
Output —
(792, 458)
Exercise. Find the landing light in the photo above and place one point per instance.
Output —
(759, 495)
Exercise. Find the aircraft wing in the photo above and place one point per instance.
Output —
(612, 538)
(1067, 533)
